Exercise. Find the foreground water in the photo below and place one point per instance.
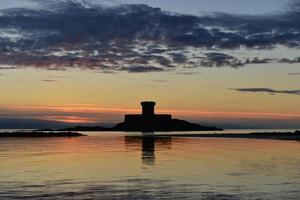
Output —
(120, 166)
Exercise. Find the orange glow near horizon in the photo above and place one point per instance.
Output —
(90, 97)
(69, 119)
(87, 97)
(73, 113)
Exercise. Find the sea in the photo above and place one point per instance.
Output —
(133, 166)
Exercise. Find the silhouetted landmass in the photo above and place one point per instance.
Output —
(259, 135)
(165, 126)
(162, 125)
(34, 134)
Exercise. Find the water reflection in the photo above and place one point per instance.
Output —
(115, 166)
(149, 144)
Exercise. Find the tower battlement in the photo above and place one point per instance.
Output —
(148, 114)
(148, 109)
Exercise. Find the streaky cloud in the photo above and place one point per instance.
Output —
(49, 80)
(289, 61)
(267, 90)
(143, 69)
(294, 73)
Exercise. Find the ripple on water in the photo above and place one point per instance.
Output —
(125, 167)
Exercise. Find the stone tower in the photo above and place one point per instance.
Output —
(148, 109)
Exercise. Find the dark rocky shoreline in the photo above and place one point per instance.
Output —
(38, 134)
(258, 135)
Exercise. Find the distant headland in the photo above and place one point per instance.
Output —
(148, 121)
(38, 134)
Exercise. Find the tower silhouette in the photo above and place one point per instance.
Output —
(148, 109)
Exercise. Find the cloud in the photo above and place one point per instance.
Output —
(143, 69)
(160, 81)
(58, 77)
(68, 34)
(290, 61)
(294, 74)
(49, 80)
(187, 73)
(219, 60)
(7, 68)
(268, 90)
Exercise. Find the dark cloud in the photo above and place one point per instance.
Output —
(268, 90)
(67, 34)
(295, 74)
(7, 68)
(216, 59)
(257, 61)
(289, 61)
(219, 60)
(143, 69)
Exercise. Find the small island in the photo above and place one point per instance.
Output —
(38, 134)
(148, 121)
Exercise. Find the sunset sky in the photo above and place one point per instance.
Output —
(231, 63)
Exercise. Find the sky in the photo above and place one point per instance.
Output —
(230, 63)
(198, 7)
(194, 7)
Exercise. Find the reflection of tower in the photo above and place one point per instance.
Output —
(148, 150)
(150, 144)
(148, 109)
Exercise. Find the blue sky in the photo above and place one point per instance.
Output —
(189, 6)
(228, 6)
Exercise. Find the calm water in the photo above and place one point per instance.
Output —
(120, 166)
